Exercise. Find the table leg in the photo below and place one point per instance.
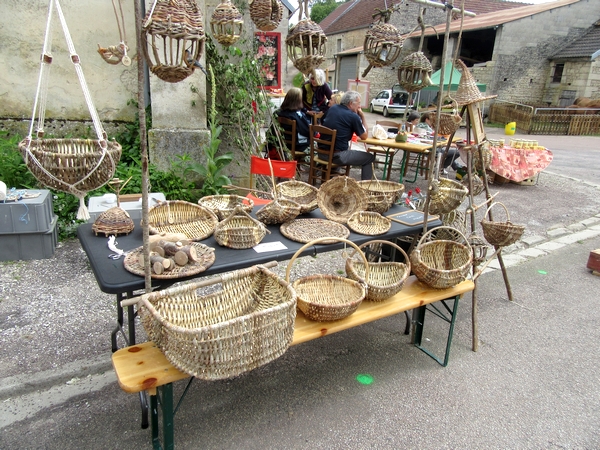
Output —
(403, 165)
(119, 327)
(131, 320)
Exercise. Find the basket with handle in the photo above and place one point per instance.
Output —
(178, 216)
(449, 123)
(381, 195)
(445, 195)
(240, 230)
(300, 192)
(386, 278)
(279, 210)
(328, 297)
(223, 205)
(501, 234)
(441, 263)
(246, 324)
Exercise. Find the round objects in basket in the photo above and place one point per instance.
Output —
(113, 221)
(240, 230)
(177, 216)
(381, 195)
(441, 263)
(386, 278)
(326, 298)
(223, 205)
(278, 211)
(302, 193)
(501, 234)
(306, 230)
(445, 195)
(369, 223)
(205, 257)
(341, 197)
(213, 336)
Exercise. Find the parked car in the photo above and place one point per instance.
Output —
(390, 101)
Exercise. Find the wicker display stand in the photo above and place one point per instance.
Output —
(326, 298)
(244, 325)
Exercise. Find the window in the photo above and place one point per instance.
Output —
(339, 45)
(558, 72)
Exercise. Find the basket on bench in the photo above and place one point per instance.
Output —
(222, 334)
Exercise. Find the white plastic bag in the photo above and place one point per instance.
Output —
(379, 132)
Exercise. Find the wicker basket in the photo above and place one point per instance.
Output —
(414, 72)
(113, 221)
(176, 216)
(445, 195)
(240, 230)
(341, 197)
(479, 163)
(441, 263)
(369, 223)
(302, 193)
(383, 43)
(278, 211)
(306, 45)
(501, 234)
(385, 278)
(449, 123)
(246, 324)
(306, 230)
(226, 23)
(223, 205)
(381, 195)
(325, 298)
(266, 14)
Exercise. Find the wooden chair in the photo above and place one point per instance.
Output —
(261, 166)
(288, 127)
(321, 163)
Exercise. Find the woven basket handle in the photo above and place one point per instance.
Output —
(501, 204)
(441, 228)
(323, 239)
(239, 211)
(396, 246)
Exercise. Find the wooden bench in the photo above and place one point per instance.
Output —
(144, 367)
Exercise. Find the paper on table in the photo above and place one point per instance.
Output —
(269, 247)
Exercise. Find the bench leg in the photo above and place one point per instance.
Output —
(447, 315)
(164, 398)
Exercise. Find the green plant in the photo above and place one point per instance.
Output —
(13, 171)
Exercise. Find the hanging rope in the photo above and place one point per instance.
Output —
(114, 54)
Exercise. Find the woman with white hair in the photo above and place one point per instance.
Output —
(316, 93)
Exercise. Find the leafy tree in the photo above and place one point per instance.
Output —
(322, 9)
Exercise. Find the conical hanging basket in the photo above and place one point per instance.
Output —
(468, 92)
(226, 23)
(266, 14)
(382, 45)
(173, 39)
(306, 46)
(414, 72)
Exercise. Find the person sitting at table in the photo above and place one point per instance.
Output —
(347, 118)
(452, 156)
(412, 120)
(291, 108)
(316, 93)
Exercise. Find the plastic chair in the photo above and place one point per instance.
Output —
(261, 166)
(321, 163)
(288, 127)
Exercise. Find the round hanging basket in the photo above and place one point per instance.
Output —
(306, 46)
(445, 195)
(414, 72)
(382, 45)
(341, 197)
(226, 23)
(328, 297)
(385, 278)
(302, 193)
(172, 39)
(441, 263)
(501, 234)
(266, 14)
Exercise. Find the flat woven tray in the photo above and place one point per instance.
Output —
(206, 258)
(306, 230)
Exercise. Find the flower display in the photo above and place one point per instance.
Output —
(267, 56)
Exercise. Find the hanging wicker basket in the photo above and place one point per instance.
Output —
(240, 230)
(441, 263)
(226, 23)
(382, 45)
(414, 72)
(385, 278)
(177, 216)
(244, 325)
(341, 197)
(445, 195)
(302, 193)
(501, 234)
(266, 14)
(306, 46)
(449, 123)
(172, 39)
(326, 298)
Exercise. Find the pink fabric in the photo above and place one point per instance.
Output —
(519, 164)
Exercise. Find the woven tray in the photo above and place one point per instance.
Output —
(327, 297)
(369, 223)
(306, 230)
(341, 197)
(176, 216)
(206, 258)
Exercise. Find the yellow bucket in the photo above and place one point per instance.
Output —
(510, 128)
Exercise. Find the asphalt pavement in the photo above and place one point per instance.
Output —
(533, 382)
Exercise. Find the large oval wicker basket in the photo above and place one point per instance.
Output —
(441, 263)
(177, 216)
(501, 234)
(326, 298)
(246, 324)
(386, 278)
(341, 197)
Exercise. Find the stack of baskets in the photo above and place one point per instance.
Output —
(501, 234)
(246, 324)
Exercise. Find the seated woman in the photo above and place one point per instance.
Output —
(452, 157)
(291, 108)
(412, 120)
